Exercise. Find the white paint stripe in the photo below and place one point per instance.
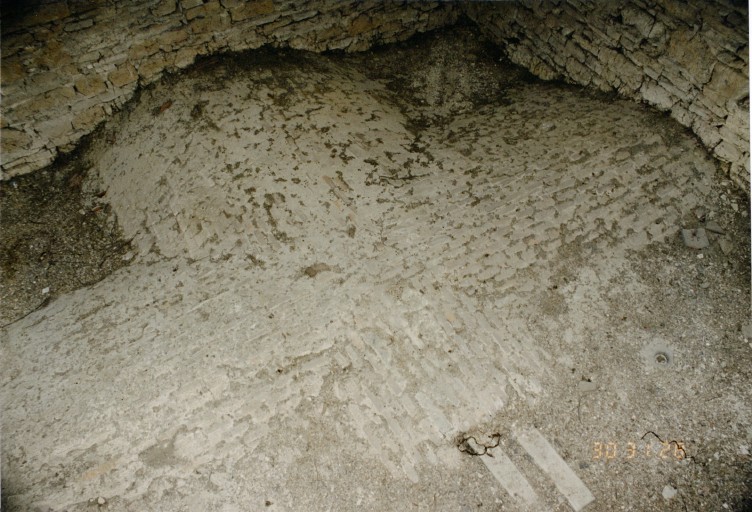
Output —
(509, 476)
(546, 457)
(436, 417)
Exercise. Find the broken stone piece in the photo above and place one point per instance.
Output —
(714, 227)
(669, 492)
(695, 238)
(747, 329)
(726, 246)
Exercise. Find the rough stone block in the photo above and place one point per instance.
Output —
(270, 23)
(714, 105)
(727, 151)
(29, 109)
(189, 4)
(58, 127)
(361, 24)
(707, 132)
(90, 85)
(123, 75)
(210, 24)
(164, 8)
(690, 53)
(39, 83)
(13, 140)
(11, 70)
(639, 19)
(202, 10)
(682, 115)
(629, 42)
(726, 84)
(304, 15)
(54, 55)
(27, 163)
(574, 50)
(617, 68)
(185, 57)
(737, 121)
(578, 72)
(78, 25)
(543, 70)
(152, 67)
(62, 95)
(252, 9)
(172, 38)
(89, 118)
(141, 50)
(672, 91)
(88, 57)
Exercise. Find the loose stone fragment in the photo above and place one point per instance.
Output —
(695, 238)
(669, 492)
(714, 227)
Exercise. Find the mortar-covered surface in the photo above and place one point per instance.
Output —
(410, 279)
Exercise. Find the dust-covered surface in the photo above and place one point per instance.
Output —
(412, 279)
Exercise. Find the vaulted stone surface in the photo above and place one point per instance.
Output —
(75, 65)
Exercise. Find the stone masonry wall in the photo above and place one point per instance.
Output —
(67, 64)
(687, 58)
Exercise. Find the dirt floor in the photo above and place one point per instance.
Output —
(57, 236)
(414, 278)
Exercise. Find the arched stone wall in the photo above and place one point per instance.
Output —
(68, 64)
(690, 59)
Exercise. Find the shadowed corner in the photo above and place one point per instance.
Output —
(6, 494)
(13, 10)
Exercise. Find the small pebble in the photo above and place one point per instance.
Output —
(669, 492)
(747, 330)
(101, 500)
(547, 126)
(725, 246)
(46, 290)
(704, 285)
(735, 207)
(585, 386)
